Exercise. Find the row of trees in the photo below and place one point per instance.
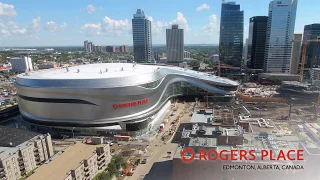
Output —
(113, 168)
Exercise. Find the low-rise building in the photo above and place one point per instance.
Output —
(22, 151)
(79, 161)
(48, 65)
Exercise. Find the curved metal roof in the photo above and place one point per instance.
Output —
(108, 75)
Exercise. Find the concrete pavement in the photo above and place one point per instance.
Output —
(157, 150)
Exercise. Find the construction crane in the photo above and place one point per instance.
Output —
(304, 55)
(219, 68)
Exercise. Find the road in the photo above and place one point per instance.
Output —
(157, 150)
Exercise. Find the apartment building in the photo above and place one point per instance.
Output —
(21, 152)
(21, 64)
(79, 161)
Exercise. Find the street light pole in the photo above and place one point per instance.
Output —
(73, 133)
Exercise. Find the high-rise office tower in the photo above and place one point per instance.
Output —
(281, 21)
(295, 54)
(142, 40)
(231, 32)
(111, 49)
(256, 42)
(312, 32)
(175, 45)
(86, 46)
(89, 47)
(187, 54)
(123, 48)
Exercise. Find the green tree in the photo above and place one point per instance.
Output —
(112, 167)
(194, 64)
(105, 176)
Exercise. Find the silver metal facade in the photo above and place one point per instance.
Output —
(103, 95)
(280, 30)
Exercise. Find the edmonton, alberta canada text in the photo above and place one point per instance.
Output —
(263, 167)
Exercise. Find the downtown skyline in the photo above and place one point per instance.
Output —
(109, 23)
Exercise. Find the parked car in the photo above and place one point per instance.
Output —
(144, 161)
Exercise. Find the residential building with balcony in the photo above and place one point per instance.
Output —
(79, 161)
(21, 152)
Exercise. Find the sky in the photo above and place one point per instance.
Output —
(108, 22)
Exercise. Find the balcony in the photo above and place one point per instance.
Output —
(101, 162)
(87, 174)
(4, 178)
(2, 174)
(22, 168)
(101, 157)
(1, 169)
(21, 163)
(36, 153)
(37, 157)
(20, 159)
(86, 169)
(35, 149)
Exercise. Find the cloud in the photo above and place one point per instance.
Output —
(212, 26)
(111, 27)
(15, 30)
(91, 30)
(7, 10)
(2, 25)
(53, 27)
(5, 33)
(19, 32)
(108, 27)
(203, 7)
(91, 9)
(34, 27)
(149, 18)
(159, 27)
(13, 25)
(181, 21)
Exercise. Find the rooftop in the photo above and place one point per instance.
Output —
(11, 137)
(115, 70)
(203, 142)
(280, 74)
(200, 118)
(12, 140)
(296, 83)
(70, 159)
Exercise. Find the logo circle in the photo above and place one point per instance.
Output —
(115, 106)
(189, 150)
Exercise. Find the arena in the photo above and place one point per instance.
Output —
(101, 95)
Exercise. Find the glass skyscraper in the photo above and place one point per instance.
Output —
(231, 33)
(280, 30)
(142, 40)
(312, 32)
(257, 41)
